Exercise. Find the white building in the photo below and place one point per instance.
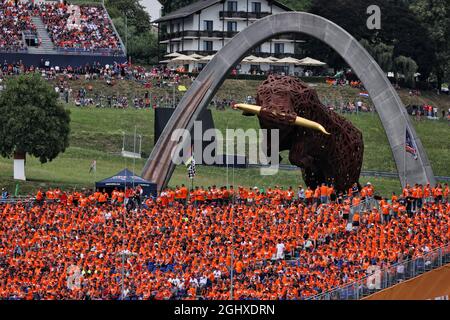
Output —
(205, 26)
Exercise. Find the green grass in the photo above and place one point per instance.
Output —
(97, 134)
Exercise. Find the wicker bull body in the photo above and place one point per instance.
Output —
(335, 158)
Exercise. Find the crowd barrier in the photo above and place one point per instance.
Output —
(82, 51)
(383, 278)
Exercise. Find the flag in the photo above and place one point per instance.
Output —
(182, 88)
(410, 145)
(191, 169)
(364, 94)
(190, 164)
(93, 166)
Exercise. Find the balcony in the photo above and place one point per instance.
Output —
(197, 34)
(276, 55)
(242, 15)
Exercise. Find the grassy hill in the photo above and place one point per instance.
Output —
(97, 134)
(238, 90)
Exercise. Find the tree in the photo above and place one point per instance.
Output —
(142, 47)
(135, 12)
(298, 5)
(400, 28)
(407, 67)
(435, 16)
(382, 53)
(172, 5)
(32, 120)
(141, 40)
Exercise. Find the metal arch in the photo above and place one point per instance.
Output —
(390, 108)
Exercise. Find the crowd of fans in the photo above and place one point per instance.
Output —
(15, 17)
(349, 106)
(81, 27)
(110, 75)
(280, 244)
(75, 28)
(427, 111)
(161, 77)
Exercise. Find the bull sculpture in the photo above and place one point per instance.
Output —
(326, 146)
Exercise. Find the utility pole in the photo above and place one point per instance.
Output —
(126, 33)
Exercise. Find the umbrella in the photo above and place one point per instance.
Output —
(206, 59)
(195, 56)
(287, 60)
(273, 59)
(311, 62)
(249, 58)
(182, 58)
(257, 60)
(173, 55)
(165, 61)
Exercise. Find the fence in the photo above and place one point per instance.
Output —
(380, 279)
(14, 200)
(98, 51)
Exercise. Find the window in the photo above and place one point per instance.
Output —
(208, 25)
(231, 26)
(256, 7)
(232, 6)
(279, 48)
(257, 49)
(207, 45)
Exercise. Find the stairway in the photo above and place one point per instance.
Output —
(46, 46)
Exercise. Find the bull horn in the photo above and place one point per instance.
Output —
(299, 121)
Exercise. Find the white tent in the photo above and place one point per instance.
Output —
(311, 62)
(273, 59)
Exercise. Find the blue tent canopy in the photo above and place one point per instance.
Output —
(127, 178)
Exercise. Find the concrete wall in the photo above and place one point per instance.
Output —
(59, 60)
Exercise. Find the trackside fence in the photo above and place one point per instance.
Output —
(382, 278)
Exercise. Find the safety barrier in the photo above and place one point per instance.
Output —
(382, 278)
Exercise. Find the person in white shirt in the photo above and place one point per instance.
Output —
(280, 250)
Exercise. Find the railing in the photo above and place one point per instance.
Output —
(99, 51)
(380, 279)
(197, 34)
(243, 14)
(14, 200)
(14, 49)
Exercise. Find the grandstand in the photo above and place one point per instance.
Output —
(58, 32)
